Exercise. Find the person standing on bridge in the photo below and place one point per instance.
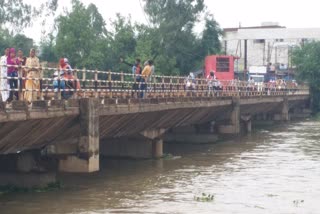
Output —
(3, 75)
(152, 70)
(12, 72)
(144, 78)
(22, 61)
(210, 82)
(136, 72)
(33, 77)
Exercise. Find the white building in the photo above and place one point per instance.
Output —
(268, 43)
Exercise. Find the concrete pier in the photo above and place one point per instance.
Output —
(233, 126)
(283, 114)
(86, 158)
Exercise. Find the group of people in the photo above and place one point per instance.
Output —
(213, 83)
(16, 70)
(11, 63)
(142, 75)
(14, 64)
(64, 79)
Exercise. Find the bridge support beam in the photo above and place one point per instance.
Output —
(146, 145)
(283, 115)
(86, 158)
(234, 124)
(300, 113)
(193, 134)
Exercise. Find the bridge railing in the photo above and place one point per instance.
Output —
(93, 83)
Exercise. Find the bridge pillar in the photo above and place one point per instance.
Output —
(234, 124)
(86, 158)
(247, 122)
(155, 135)
(283, 114)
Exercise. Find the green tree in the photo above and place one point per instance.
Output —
(47, 49)
(210, 43)
(18, 41)
(78, 33)
(174, 22)
(306, 60)
(5, 40)
(122, 39)
(22, 42)
(19, 14)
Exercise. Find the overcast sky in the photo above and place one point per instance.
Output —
(229, 13)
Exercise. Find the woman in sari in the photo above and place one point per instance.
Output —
(3, 75)
(33, 72)
(12, 72)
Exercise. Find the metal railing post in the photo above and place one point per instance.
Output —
(84, 79)
(96, 83)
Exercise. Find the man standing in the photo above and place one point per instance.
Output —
(136, 72)
(144, 78)
(152, 70)
(3, 75)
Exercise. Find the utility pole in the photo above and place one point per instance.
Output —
(245, 59)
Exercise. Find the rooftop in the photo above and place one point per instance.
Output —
(253, 27)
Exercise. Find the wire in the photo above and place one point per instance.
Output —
(144, 14)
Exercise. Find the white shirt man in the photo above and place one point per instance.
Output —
(3, 81)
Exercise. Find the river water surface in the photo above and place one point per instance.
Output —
(275, 170)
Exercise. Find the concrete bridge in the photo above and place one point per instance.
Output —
(106, 117)
(77, 131)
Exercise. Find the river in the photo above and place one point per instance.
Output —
(274, 170)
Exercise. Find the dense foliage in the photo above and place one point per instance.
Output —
(307, 62)
(19, 14)
(82, 35)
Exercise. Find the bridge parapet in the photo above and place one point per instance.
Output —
(101, 84)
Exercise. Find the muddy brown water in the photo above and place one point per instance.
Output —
(275, 170)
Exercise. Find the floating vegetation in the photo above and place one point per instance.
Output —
(298, 202)
(204, 198)
(14, 189)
